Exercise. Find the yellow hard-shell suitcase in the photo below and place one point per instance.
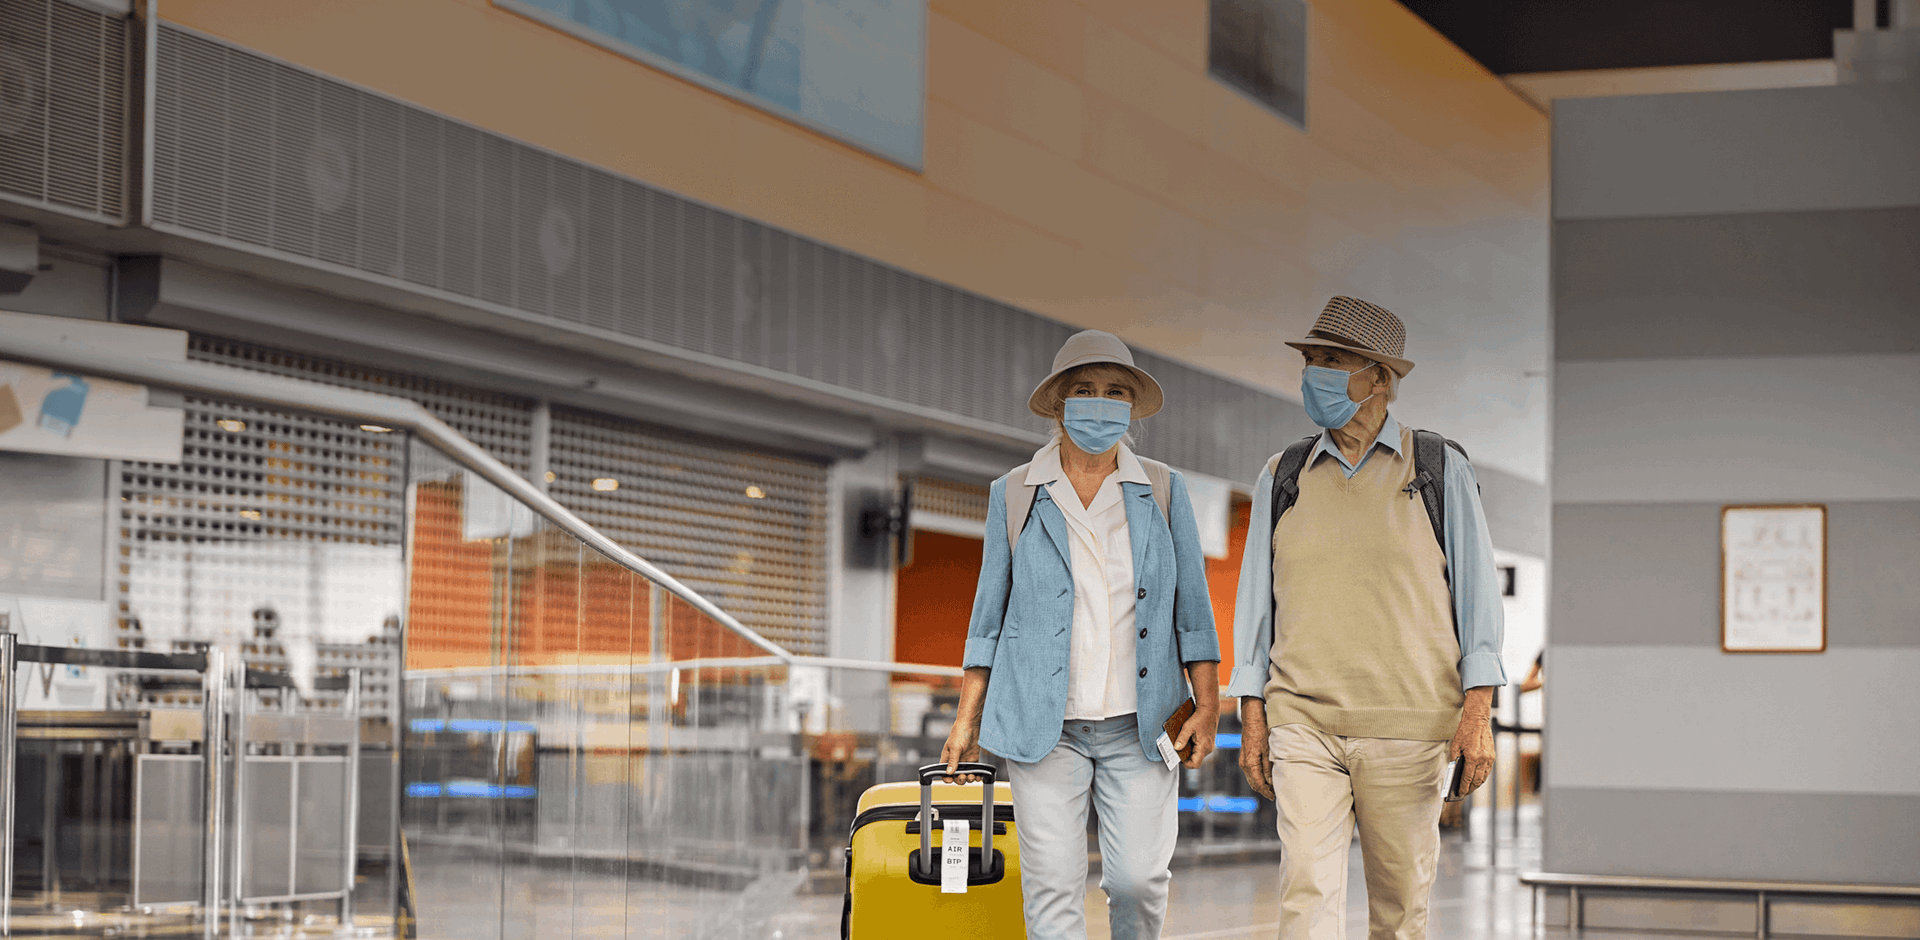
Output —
(892, 893)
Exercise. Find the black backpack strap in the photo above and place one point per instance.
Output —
(1286, 476)
(1429, 472)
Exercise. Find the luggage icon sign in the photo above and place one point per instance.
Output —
(60, 410)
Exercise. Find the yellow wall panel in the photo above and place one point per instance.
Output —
(806, 182)
(994, 167)
(1254, 137)
(990, 83)
(1249, 276)
(1177, 27)
(969, 242)
(1145, 77)
(1447, 102)
(1049, 32)
(1158, 240)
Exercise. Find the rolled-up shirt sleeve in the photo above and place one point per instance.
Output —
(1253, 600)
(1478, 616)
(1193, 628)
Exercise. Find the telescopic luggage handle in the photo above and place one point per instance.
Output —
(932, 772)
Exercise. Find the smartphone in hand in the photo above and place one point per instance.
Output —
(1450, 780)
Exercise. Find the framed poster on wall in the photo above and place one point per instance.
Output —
(1773, 579)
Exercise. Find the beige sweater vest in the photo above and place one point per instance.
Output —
(1363, 622)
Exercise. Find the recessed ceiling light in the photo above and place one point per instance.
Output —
(551, 476)
(231, 425)
(249, 513)
(604, 484)
(754, 492)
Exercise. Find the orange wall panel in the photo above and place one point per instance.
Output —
(934, 599)
(1223, 579)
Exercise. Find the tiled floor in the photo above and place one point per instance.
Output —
(1471, 901)
(463, 900)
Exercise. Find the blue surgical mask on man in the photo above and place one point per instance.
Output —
(1324, 391)
(1096, 424)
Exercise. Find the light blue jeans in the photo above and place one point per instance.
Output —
(1137, 800)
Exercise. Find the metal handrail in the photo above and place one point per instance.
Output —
(387, 411)
(668, 665)
(1565, 880)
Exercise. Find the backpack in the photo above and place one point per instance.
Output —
(1020, 496)
(1429, 468)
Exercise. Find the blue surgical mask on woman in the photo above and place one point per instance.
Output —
(1096, 424)
(1324, 391)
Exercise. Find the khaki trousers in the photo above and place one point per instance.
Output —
(1326, 785)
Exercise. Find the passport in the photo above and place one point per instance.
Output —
(1178, 720)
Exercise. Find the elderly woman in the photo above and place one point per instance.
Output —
(1086, 633)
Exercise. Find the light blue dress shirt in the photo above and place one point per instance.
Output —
(1479, 620)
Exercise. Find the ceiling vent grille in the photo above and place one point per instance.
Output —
(258, 154)
(65, 80)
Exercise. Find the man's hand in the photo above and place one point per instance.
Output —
(1474, 740)
(1255, 761)
(1200, 729)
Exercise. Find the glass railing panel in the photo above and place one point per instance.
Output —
(467, 792)
(609, 760)
(276, 541)
(717, 813)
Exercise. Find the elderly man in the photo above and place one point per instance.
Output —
(1367, 636)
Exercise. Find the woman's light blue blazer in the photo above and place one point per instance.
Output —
(1023, 617)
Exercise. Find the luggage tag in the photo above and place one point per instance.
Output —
(953, 857)
(1167, 752)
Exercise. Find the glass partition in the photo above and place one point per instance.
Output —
(586, 754)
(433, 713)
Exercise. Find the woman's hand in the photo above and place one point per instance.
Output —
(1200, 728)
(963, 744)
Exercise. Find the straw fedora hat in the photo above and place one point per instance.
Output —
(1088, 347)
(1360, 327)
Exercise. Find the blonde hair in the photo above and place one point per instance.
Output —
(1054, 397)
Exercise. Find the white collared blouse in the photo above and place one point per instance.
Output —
(1100, 661)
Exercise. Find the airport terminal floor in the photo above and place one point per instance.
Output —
(1212, 900)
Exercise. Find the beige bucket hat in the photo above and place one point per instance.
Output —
(1360, 327)
(1088, 347)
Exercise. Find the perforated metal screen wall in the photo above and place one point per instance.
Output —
(747, 530)
(64, 91)
(683, 502)
(947, 498)
(501, 423)
(258, 154)
(274, 529)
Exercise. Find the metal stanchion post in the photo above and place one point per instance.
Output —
(238, 864)
(1514, 722)
(1492, 788)
(351, 840)
(215, 686)
(8, 717)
